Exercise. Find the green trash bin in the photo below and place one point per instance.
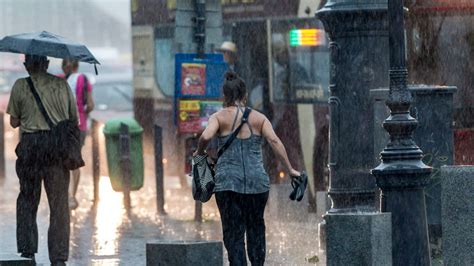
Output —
(112, 145)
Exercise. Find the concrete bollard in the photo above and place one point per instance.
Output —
(184, 253)
(15, 260)
(125, 164)
(95, 159)
(457, 197)
(198, 211)
(359, 239)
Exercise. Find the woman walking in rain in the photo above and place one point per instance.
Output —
(242, 185)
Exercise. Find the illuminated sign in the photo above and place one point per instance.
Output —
(306, 37)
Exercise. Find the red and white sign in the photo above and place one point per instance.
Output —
(193, 79)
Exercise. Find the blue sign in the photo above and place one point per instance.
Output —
(199, 78)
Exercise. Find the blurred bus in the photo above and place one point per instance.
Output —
(283, 56)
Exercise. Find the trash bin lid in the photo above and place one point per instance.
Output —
(112, 127)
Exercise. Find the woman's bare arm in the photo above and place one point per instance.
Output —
(207, 135)
(277, 147)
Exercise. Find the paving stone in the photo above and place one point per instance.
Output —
(14, 260)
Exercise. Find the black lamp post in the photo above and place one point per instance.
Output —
(358, 31)
(402, 175)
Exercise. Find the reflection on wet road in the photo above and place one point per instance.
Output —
(108, 219)
(106, 234)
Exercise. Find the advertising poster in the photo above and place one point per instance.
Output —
(207, 109)
(193, 115)
(193, 79)
(189, 117)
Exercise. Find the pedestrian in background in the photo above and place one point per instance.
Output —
(242, 185)
(35, 162)
(82, 89)
(229, 50)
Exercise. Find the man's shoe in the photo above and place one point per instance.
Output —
(59, 263)
(28, 256)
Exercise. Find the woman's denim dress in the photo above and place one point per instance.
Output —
(240, 167)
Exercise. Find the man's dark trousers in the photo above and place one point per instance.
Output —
(56, 182)
(242, 214)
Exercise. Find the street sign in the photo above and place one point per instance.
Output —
(189, 117)
(198, 83)
(193, 115)
(199, 77)
(193, 79)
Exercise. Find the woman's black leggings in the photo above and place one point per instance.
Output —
(240, 214)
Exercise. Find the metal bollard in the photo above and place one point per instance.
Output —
(2, 146)
(159, 173)
(197, 204)
(125, 163)
(95, 158)
(198, 211)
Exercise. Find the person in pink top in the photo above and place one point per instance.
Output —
(82, 89)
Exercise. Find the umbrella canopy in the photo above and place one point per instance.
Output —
(47, 44)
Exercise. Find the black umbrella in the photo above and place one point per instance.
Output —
(47, 44)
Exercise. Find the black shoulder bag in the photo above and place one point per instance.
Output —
(64, 138)
(203, 170)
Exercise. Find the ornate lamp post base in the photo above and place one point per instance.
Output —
(402, 175)
(403, 196)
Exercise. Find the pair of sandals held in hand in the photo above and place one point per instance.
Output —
(299, 184)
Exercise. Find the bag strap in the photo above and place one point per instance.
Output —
(234, 134)
(40, 104)
(84, 89)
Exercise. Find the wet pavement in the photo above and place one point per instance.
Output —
(106, 234)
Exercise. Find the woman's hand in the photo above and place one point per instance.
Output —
(293, 172)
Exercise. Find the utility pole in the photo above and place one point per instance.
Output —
(200, 27)
(198, 30)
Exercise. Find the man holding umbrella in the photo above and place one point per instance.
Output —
(33, 165)
(44, 108)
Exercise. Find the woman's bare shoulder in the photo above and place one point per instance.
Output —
(222, 115)
(258, 115)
